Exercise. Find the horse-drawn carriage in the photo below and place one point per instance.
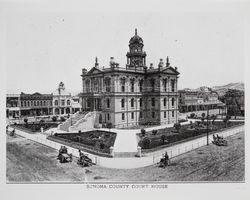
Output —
(63, 155)
(219, 141)
(84, 160)
(165, 161)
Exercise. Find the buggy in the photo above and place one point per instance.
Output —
(63, 155)
(84, 160)
(219, 141)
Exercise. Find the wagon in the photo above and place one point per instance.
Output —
(63, 155)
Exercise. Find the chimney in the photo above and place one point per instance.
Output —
(111, 62)
(151, 66)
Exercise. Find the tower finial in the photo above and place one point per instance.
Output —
(136, 31)
(168, 62)
(96, 61)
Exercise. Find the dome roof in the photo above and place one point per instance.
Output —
(136, 39)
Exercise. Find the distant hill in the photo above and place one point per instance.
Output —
(222, 89)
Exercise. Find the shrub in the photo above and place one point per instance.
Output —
(62, 119)
(154, 132)
(192, 115)
(203, 115)
(146, 143)
(163, 138)
(143, 132)
(177, 127)
(54, 118)
(102, 145)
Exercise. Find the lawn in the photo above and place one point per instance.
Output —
(36, 126)
(28, 161)
(94, 141)
(168, 136)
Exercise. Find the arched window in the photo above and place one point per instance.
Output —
(153, 102)
(164, 102)
(132, 85)
(68, 102)
(107, 83)
(141, 85)
(87, 83)
(108, 103)
(56, 102)
(123, 103)
(172, 85)
(132, 102)
(140, 102)
(123, 81)
(172, 101)
(152, 83)
(164, 85)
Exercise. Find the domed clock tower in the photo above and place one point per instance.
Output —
(136, 57)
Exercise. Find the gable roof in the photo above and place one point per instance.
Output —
(170, 70)
(94, 70)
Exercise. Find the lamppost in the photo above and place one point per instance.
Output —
(207, 124)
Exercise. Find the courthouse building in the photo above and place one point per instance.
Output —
(131, 95)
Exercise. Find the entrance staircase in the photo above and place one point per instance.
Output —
(65, 126)
(85, 123)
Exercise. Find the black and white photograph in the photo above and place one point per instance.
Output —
(119, 97)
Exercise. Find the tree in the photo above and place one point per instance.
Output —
(228, 117)
(154, 132)
(143, 132)
(26, 122)
(177, 126)
(54, 118)
(109, 126)
(192, 115)
(163, 139)
(62, 119)
(146, 143)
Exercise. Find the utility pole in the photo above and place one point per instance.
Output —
(207, 124)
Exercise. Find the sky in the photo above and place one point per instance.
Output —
(44, 47)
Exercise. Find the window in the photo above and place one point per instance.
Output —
(44, 103)
(132, 115)
(88, 103)
(87, 83)
(108, 103)
(123, 116)
(132, 102)
(21, 104)
(164, 85)
(56, 102)
(172, 85)
(140, 102)
(152, 82)
(165, 114)
(140, 85)
(172, 113)
(25, 104)
(172, 101)
(28, 104)
(153, 115)
(153, 102)
(164, 102)
(123, 103)
(68, 102)
(34, 103)
(31, 103)
(123, 81)
(132, 84)
(140, 115)
(107, 82)
(108, 116)
(63, 102)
